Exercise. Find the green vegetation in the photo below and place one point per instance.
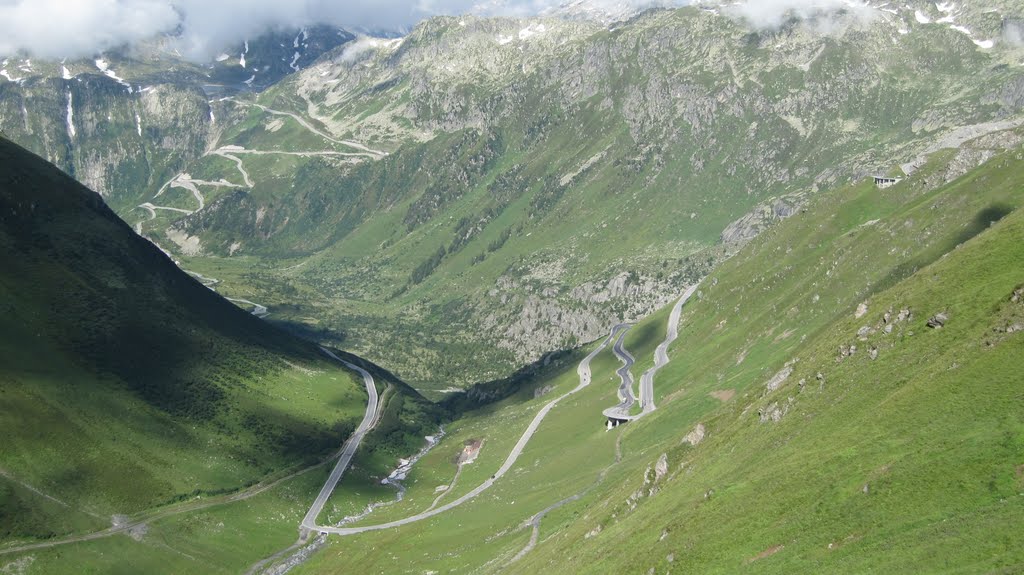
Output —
(506, 210)
(127, 385)
(532, 190)
(844, 396)
(901, 455)
(907, 461)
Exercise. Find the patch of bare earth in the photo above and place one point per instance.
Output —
(469, 451)
(723, 395)
(766, 553)
(784, 335)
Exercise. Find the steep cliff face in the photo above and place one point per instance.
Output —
(126, 122)
(119, 140)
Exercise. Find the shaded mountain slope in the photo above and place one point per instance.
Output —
(126, 383)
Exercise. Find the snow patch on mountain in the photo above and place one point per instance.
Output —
(70, 118)
(950, 13)
(7, 75)
(104, 67)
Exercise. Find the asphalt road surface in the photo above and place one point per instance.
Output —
(626, 395)
(348, 450)
(661, 353)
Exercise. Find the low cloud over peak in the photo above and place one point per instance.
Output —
(55, 29)
(772, 13)
(77, 28)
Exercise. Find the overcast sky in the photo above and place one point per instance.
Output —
(78, 28)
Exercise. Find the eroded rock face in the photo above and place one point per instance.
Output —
(696, 435)
(774, 412)
(115, 141)
(542, 391)
(536, 314)
(779, 378)
(938, 320)
(765, 215)
(661, 467)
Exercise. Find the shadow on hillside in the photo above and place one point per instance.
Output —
(978, 224)
(487, 393)
(323, 335)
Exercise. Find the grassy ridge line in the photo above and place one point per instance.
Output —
(876, 428)
(127, 385)
(739, 356)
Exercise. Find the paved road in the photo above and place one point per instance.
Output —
(626, 395)
(223, 152)
(314, 154)
(149, 207)
(258, 310)
(661, 353)
(348, 450)
(585, 377)
(534, 522)
(198, 505)
(305, 124)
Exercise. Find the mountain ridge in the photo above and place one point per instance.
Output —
(129, 385)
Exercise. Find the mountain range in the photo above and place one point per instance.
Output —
(492, 216)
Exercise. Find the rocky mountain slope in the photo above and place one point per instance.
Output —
(126, 121)
(432, 200)
(841, 398)
(843, 395)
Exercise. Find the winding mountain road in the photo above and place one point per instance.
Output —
(226, 153)
(349, 448)
(257, 309)
(149, 207)
(626, 395)
(351, 445)
(376, 154)
(313, 154)
(584, 373)
(661, 352)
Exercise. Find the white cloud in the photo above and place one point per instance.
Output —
(56, 28)
(79, 28)
(773, 13)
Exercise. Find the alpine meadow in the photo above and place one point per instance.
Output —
(512, 287)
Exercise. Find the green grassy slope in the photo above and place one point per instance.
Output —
(125, 384)
(903, 456)
(908, 461)
(905, 462)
